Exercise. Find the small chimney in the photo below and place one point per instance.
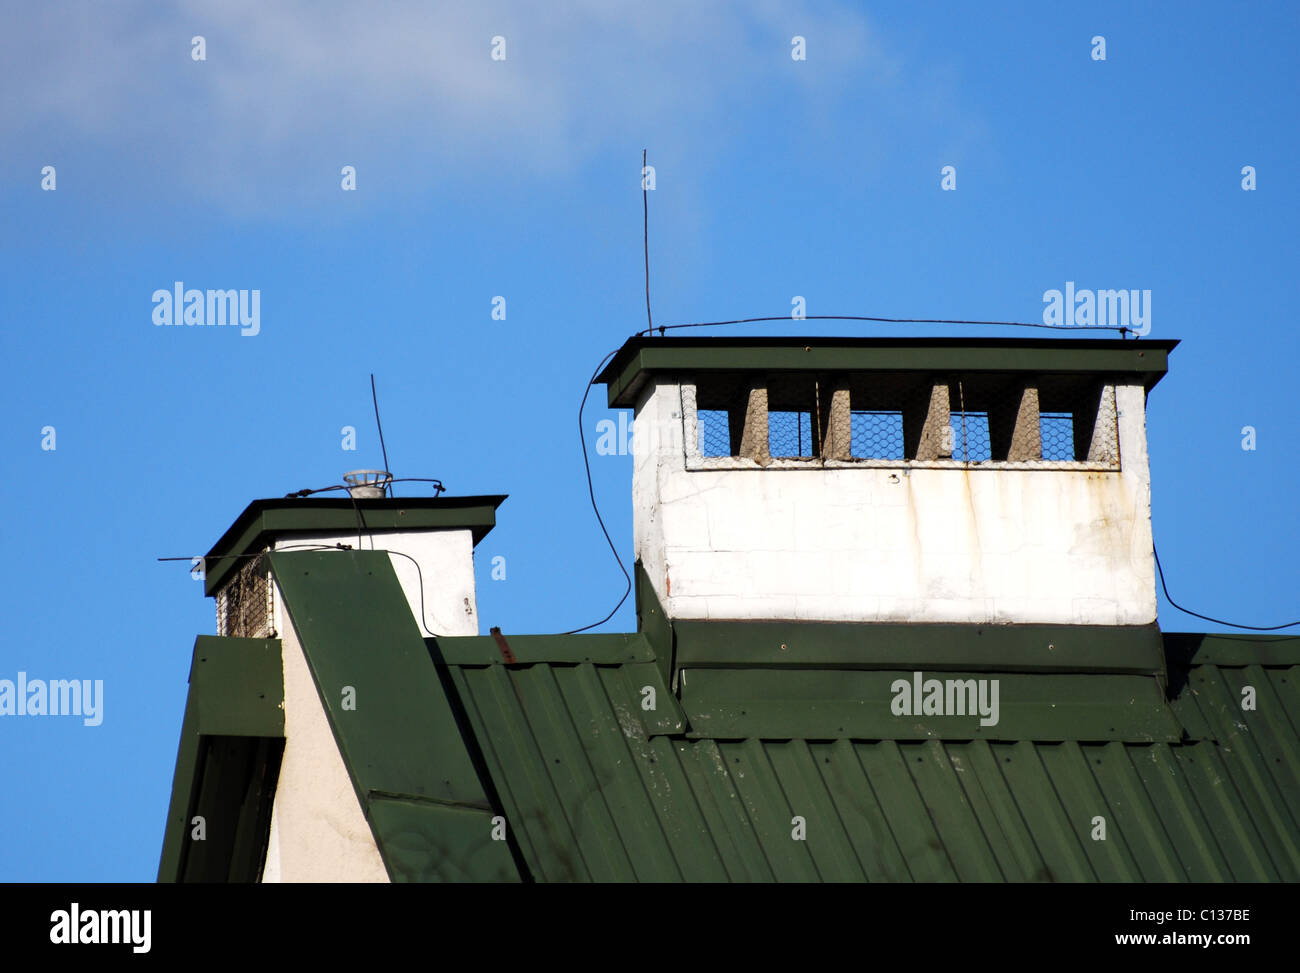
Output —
(432, 541)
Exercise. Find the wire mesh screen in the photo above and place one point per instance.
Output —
(789, 434)
(1078, 422)
(720, 403)
(986, 418)
(876, 434)
(970, 437)
(1057, 433)
(715, 432)
(244, 608)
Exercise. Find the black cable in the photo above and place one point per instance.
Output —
(420, 575)
(258, 554)
(851, 317)
(333, 547)
(591, 491)
(375, 399)
(1217, 621)
(361, 523)
(438, 488)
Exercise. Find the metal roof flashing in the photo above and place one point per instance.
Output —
(642, 356)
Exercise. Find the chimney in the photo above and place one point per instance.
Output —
(430, 540)
(977, 481)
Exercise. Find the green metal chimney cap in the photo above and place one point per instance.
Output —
(262, 519)
(641, 356)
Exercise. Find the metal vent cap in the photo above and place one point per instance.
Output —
(367, 484)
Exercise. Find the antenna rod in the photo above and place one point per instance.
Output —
(375, 399)
(645, 240)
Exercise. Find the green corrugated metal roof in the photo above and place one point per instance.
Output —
(1143, 733)
(595, 795)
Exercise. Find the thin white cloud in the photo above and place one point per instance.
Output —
(299, 84)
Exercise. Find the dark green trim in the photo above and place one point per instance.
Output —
(639, 357)
(262, 519)
(1189, 648)
(818, 704)
(176, 831)
(239, 686)
(235, 703)
(978, 648)
(653, 622)
(236, 791)
(601, 648)
(401, 743)
(439, 843)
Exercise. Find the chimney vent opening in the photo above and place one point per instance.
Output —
(990, 421)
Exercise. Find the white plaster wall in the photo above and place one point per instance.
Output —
(445, 558)
(889, 545)
(318, 831)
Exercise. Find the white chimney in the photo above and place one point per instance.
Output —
(893, 480)
(431, 540)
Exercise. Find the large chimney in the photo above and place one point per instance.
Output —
(975, 481)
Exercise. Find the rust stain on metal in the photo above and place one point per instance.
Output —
(502, 644)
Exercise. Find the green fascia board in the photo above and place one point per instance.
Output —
(642, 356)
(236, 689)
(398, 736)
(184, 784)
(304, 515)
(817, 704)
(1194, 649)
(600, 648)
(1131, 649)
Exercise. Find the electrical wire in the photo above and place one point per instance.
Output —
(334, 547)
(420, 575)
(591, 491)
(223, 557)
(1217, 621)
(438, 488)
(1122, 329)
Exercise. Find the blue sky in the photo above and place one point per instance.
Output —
(520, 178)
